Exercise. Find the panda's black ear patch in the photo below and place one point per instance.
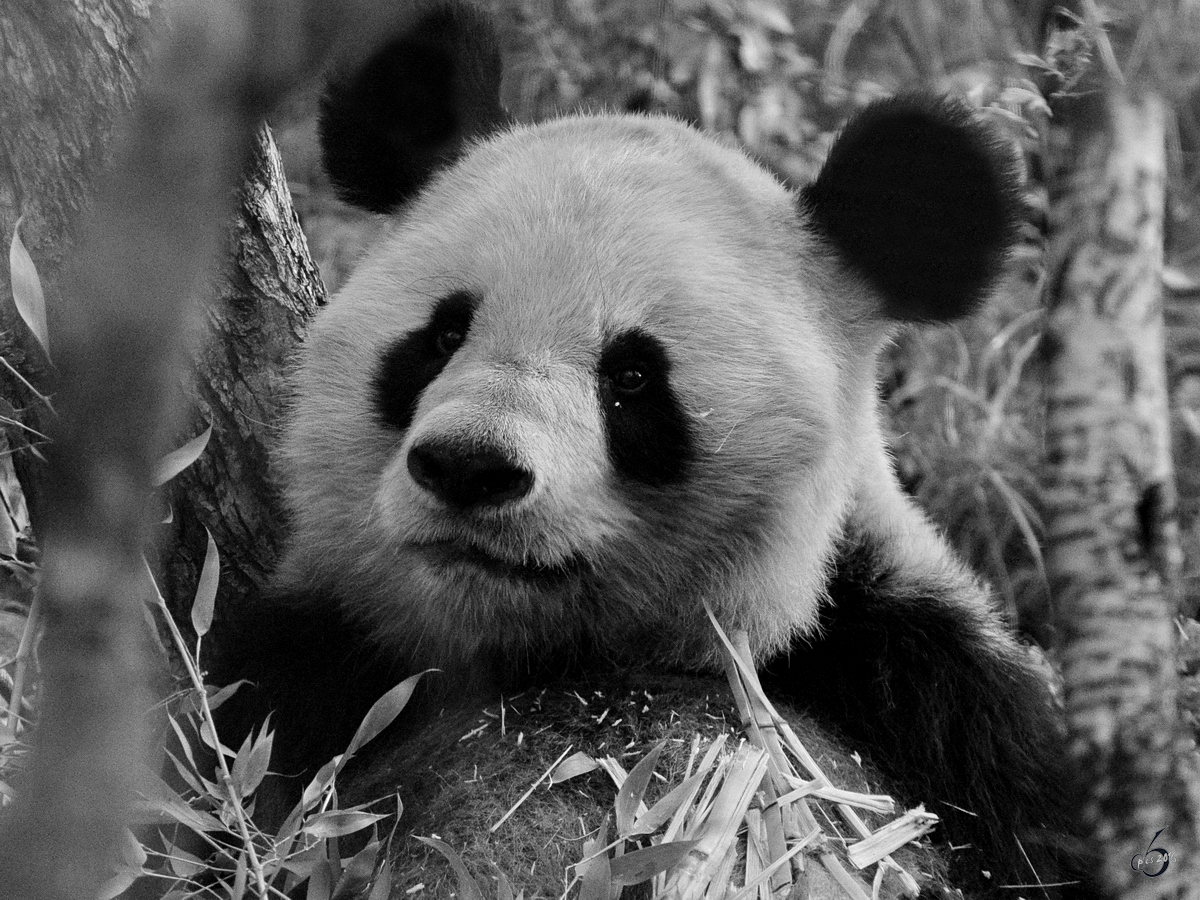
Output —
(386, 127)
(922, 199)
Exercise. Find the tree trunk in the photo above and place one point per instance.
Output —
(123, 309)
(70, 71)
(263, 302)
(1183, 368)
(1112, 544)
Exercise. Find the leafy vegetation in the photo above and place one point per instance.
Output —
(206, 843)
(196, 833)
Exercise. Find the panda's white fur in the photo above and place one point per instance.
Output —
(461, 498)
(571, 231)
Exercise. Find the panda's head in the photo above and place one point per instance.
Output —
(605, 368)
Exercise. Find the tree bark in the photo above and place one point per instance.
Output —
(70, 72)
(1112, 545)
(1183, 368)
(263, 301)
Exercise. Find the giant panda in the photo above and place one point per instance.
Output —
(604, 370)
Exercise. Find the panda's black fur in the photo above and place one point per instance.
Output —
(604, 368)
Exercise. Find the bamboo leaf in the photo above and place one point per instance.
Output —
(382, 713)
(27, 289)
(212, 741)
(178, 460)
(578, 763)
(170, 807)
(184, 864)
(320, 882)
(319, 784)
(468, 887)
(190, 779)
(8, 528)
(358, 872)
(257, 762)
(382, 888)
(184, 743)
(239, 878)
(595, 872)
(660, 813)
(206, 590)
(339, 822)
(629, 797)
(220, 695)
(644, 864)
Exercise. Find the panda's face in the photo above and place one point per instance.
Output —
(595, 376)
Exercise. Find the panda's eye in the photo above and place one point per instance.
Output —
(410, 363)
(648, 430)
(448, 340)
(631, 378)
(448, 327)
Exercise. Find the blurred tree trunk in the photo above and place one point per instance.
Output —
(70, 71)
(1112, 542)
(1183, 367)
(70, 68)
(120, 302)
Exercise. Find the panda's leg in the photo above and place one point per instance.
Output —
(915, 668)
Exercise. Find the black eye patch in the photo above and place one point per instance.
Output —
(649, 436)
(409, 365)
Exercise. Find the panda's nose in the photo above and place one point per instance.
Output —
(465, 476)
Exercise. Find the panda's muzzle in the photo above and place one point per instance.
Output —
(457, 553)
(465, 476)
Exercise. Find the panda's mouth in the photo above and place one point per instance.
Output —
(452, 553)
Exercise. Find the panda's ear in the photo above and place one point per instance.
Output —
(922, 199)
(389, 125)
